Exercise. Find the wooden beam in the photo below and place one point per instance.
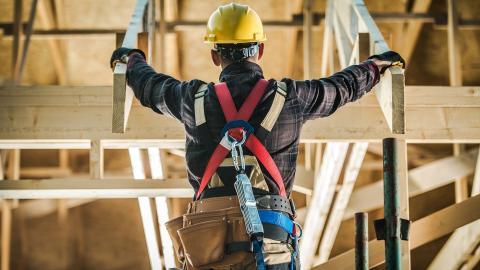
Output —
(79, 113)
(93, 188)
(20, 67)
(122, 93)
(413, 29)
(421, 179)
(44, 172)
(295, 8)
(145, 210)
(17, 34)
(307, 39)
(45, 19)
(96, 159)
(461, 183)
(463, 242)
(401, 170)
(157, 168)
(6, 233)
(324, 188)
(454, 54)
(390, 89)
(341, 200)
(422, 231)
(327, 49)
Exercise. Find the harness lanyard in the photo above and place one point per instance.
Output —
(246, 199)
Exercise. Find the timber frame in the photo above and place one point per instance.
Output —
(95, 118)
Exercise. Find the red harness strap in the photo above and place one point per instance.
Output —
(252, 142)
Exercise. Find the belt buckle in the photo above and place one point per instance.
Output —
(262, 202)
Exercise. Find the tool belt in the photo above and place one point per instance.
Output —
(212, 234)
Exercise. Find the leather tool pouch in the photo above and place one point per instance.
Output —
(204, 242)
(172, 227)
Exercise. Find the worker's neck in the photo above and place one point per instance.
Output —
(227, 63)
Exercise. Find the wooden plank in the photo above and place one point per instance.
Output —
(17, 34)
(327, 47)
(390, 90)
(344, 46)
(76, 113)
(96, 188)
(44, 172)
(56, 50)
(307, 39)
(461, 183)
(145, 210)
(324, 188)
(454, 54)
(463, 242)
(422, 231)
(421, 179)
(6, 234)
(341, 200)
(404, 194)
(122, 94)
(96, 159)
(158, 171)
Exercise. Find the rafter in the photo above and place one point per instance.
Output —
(422, 231)
(463, 242)
(421, 179)
(319, 207)
(341, 200)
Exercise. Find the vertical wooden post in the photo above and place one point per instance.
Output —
(62, 203)
(6, 234)
(17, 34)
(454, 55)
(402, 172)
(461, 184)
(327, 49)
(307, 38)
(96, 159)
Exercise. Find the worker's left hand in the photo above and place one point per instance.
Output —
(387, 59)
(120, 55)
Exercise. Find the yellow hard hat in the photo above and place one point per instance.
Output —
(234, 23)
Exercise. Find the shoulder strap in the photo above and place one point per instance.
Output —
(198, 105)
(277, 106)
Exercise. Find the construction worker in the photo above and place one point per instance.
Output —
(242, 138)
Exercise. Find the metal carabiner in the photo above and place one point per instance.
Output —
(236, 153)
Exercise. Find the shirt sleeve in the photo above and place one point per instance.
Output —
(321, 98)
(160, 92)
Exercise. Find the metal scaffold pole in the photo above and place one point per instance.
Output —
(391, 206)
(361, 241)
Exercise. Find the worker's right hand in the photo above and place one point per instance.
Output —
(120, 55)
(387, 59)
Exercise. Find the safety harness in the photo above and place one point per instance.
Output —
(236, 133)
(238, 120)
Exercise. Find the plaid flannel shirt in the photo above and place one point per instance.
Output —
(306, 100)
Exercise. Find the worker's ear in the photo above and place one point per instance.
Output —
(260, 50)
(216, 58)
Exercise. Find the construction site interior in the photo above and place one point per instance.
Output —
(76, 194)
